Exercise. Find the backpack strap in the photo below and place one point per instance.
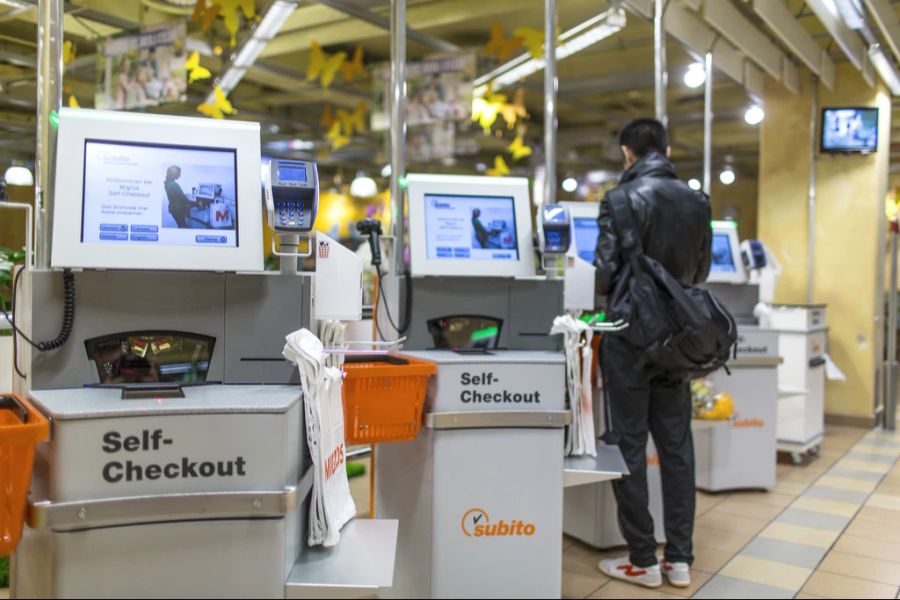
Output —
(625, 223)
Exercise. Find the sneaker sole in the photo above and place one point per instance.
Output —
(617, 577)
(679, 585)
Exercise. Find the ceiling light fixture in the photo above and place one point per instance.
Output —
(570, 42)
(695, 184)
(885, 69)
(570, 184)
(851, 12)
(754, 115)
(267, 28)
(695, 76)
(727, 176)
(19, 175)
(363, 186)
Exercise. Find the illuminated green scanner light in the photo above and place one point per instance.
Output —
(54, 118)
(485, 334)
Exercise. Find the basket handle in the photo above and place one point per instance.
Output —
(11, 403)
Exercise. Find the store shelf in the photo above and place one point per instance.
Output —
(360, 565)
(583, 470)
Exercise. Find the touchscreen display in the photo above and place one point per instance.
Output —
(722, 257)
(470, 228)
(586, 232)
(159, 195)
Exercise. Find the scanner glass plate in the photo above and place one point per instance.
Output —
(151, 357)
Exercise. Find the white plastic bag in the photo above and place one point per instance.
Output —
(339, 505)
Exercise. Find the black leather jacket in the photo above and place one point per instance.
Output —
(673, 219)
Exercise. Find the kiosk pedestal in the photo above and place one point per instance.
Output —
(480, 490)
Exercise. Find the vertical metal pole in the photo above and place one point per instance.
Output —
(659, 61)
(707, 125)
(890, 402)
(551, 85)
(811, 224)
(49, 99)
(398, 128)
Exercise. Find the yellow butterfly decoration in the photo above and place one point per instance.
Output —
(205, 14)
(500, 46)
(336, 136)
(516, 110)
(69, 52)
(501, 169)
(518, 149)
(355, 121)
(327, 119)
(73, 102)
(195, 71)
(486, 109)
(354, 68)
(892, 204)
(221, 107)
(533, 39)
(229, 10)
(323, 67)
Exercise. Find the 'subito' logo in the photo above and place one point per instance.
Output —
(477, 523)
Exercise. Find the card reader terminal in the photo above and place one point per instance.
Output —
(554, 229)
(291, 189)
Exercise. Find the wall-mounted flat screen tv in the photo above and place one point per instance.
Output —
(850, 129)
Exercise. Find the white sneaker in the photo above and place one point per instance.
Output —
(623, 570)
(678, 574)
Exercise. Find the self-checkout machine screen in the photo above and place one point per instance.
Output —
(726, 265)
(476, 228)
(154, 194)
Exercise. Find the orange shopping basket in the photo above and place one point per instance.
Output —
(383, 397)
(21, 428)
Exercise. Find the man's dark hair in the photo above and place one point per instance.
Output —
(643, 136)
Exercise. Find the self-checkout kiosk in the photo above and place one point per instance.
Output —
(178, 464)
(480, 491)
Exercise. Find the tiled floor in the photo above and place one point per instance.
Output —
(830, 529)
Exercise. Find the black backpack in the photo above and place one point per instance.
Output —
(675, 328)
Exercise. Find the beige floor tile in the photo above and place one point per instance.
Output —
(744, 506)
(862, 465)
(863, 546)
(698, 580)
(567, 541)
(621, 589)
(880, 515)
(874, 530)
(890, 489)
(791, 488)
(886, 501)
(578, 585)
(718, 539)
(800, 535)
(710, 560)
(807, 597)
(876, 449)
(830, 585)
(766, 572)
(847, 483)
(731, 522)
(882, 571)
(830, 507)
(706, 501)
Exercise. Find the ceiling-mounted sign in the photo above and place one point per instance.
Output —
(140, 70)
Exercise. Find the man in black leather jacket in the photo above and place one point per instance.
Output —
(674, 226)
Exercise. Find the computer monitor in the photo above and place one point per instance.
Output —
(138, 191)
(726, 265)
(850, 129)
(585, 229)
(470, 226)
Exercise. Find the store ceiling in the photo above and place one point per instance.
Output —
(600, 88)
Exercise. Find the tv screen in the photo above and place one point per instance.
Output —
(850, 130)
(471, 227)
(155, 194)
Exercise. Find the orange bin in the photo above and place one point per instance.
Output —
(21, 428)
(383, 398)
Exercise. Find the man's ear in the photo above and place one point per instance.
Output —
(668, 151)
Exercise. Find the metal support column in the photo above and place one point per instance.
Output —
(398, 129)
(659, 61)
(551, 86)
(890, 401)
(811, 216)
(707, 125)
(49, 100)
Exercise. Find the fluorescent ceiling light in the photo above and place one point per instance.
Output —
(885, 69)
(695, 76)
(571, 42)
(267, 28)
(851, 13)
